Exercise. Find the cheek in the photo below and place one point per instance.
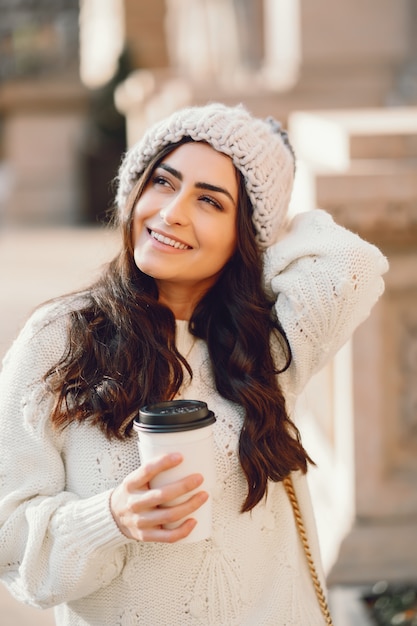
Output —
(144, 206)
(221, 250)
(228, 240)
(138, 221)
(134, 231)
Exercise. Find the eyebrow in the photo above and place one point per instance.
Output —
(198, 185)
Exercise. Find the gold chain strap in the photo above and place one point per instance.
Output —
(289, 487)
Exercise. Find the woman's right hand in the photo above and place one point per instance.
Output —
(141, 512)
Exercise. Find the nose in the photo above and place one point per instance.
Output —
(175, 211)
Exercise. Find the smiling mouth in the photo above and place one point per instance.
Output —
(168, 242)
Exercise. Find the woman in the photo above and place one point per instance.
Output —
(213, 297)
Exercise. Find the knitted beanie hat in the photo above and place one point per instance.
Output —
(258, 148)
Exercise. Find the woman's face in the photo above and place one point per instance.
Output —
(184, 223)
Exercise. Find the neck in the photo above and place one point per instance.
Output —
(181, 300)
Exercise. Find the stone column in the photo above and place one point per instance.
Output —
(364, 168)
(43, 123)
(145, 33)
(145, 97)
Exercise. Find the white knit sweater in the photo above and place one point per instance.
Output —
(59, 545)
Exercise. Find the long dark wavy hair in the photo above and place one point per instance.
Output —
(121, 351)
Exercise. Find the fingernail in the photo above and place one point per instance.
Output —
(175, 456)
(198, 479)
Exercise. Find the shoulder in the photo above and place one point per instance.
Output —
(54, 313)
(43, 338)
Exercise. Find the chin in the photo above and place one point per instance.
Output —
(144, 266)
(152, 271)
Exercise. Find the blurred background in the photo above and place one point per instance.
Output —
(79, 82)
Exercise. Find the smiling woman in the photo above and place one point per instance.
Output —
(184, 224)
(214, 296)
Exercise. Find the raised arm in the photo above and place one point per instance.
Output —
(325, 280)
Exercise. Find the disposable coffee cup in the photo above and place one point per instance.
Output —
(184, 426)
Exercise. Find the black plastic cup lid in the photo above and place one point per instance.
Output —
(174, 416)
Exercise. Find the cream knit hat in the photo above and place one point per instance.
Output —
(258, 148)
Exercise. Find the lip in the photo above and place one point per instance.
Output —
(167, 241)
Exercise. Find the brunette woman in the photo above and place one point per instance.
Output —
(214, 296)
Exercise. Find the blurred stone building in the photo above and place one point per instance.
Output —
(343, 77)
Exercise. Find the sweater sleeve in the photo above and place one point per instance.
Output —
(54, 545)
(325, 280)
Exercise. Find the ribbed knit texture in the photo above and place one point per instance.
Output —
(59, 544)
(255, 146)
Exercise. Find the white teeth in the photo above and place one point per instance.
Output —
(168, 241)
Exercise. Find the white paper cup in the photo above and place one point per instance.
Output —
(184, 426)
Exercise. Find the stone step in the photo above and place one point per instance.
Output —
(375, 197)
(382, 182)
(334, 138)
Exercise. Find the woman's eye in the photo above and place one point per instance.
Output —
(212, 202)
(160, 180)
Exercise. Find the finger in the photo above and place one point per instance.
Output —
(163, 535)
(146, 472)
(153, 518)
(160, 496)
